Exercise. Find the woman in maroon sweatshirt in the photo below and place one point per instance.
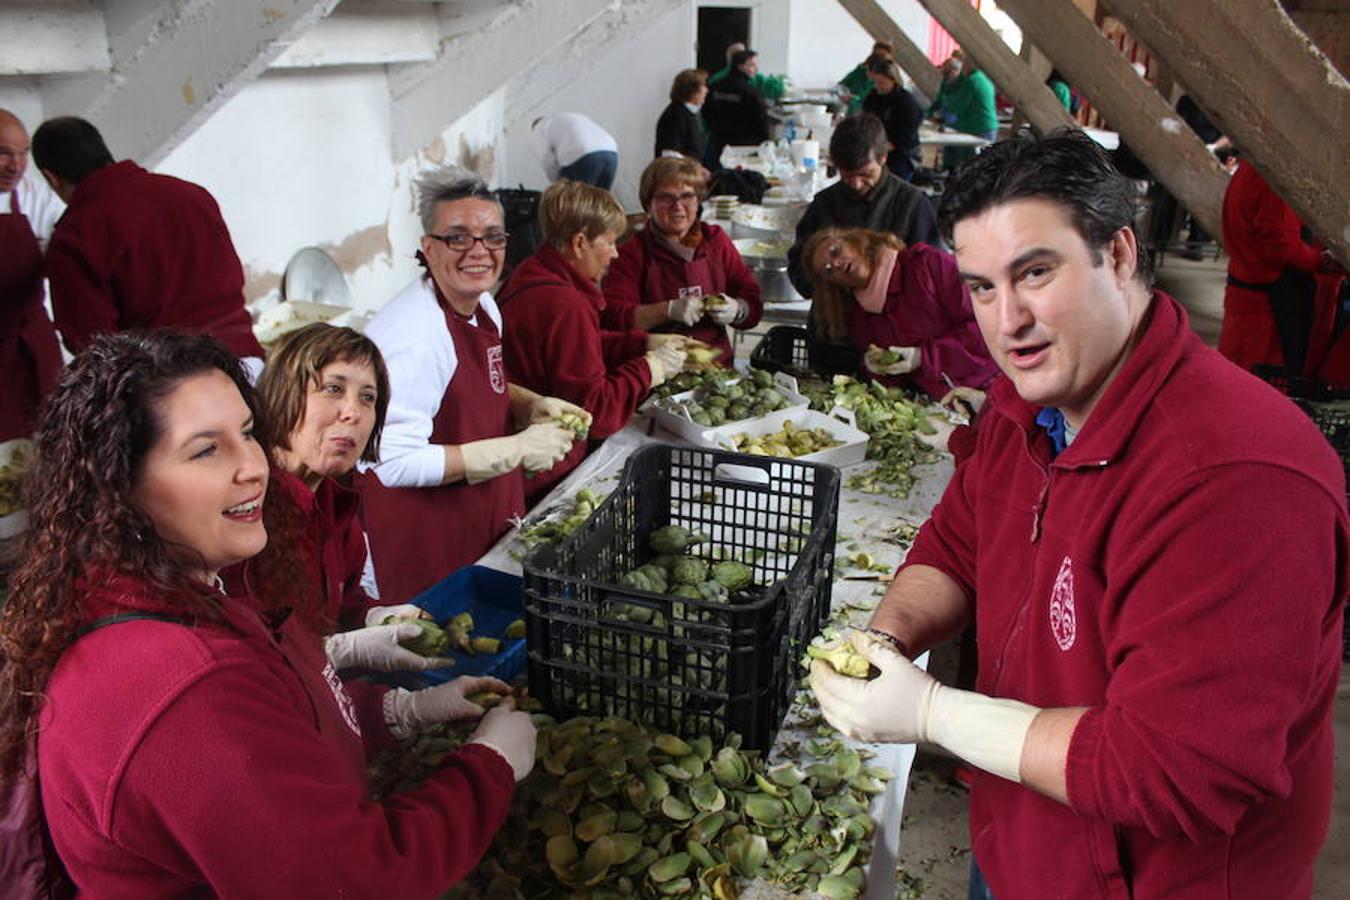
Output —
(882, 294)
(552, 307)
(192, 743)
(665, 273)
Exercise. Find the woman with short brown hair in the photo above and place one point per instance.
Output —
(679, 274)
(679, 131)
(553, 339)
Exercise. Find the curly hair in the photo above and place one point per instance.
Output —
(91, 444)
(293, 369)
(831, 303)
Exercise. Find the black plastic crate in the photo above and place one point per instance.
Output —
(783, 349)
(687, 666)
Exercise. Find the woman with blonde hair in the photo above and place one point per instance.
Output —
(679, 274)
(552, 307)
(905, 309)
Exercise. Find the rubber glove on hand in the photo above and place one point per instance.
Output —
(406, 712)
(665, 362)
(536, 448)
(377, 647)
(686, 310)
(892, 707)
(891, 360)
(511, 734)
(905, 704)
(377, 614)
(655, 341)
(728, 312)
(549, 409)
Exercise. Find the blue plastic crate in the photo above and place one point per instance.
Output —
(495, 599)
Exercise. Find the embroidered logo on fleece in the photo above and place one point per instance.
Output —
(344, 700)
(1063, 617)
(496, 371)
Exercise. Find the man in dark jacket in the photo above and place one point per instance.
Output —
(868, 195)
(734, 110)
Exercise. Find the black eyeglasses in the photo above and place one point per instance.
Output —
(463, 241)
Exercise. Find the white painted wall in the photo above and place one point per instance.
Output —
(302, 158)
(22, 97)
(826, 42)
(625, 93)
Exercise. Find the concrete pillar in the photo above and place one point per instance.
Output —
(878, 23)
(988, 51)
(1154, 131)
(175, 65)
(1271, 90)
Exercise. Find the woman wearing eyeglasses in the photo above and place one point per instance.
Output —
(458, 437)
(667, 274)
(905, 310)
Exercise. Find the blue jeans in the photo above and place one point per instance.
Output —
(978, 890)
(597, 167)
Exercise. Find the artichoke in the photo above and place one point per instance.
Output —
(731, 574)
(689, 570)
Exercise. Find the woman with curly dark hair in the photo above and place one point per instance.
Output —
(189, 742)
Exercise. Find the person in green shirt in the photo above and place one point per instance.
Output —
(770, 87)
(856, 83)
(1060, 87)
(965, 101)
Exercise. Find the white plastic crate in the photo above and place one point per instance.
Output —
(840, 423)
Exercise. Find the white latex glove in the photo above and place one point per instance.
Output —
(377, 614)
(405, 712)
(904, 704)
(655, 341)
(511, 734)
(908, 362)
(377, 647)
(536, 448)
(971, 397)
(687, 310)
(728, 312)
(546, 409)
(665, 361)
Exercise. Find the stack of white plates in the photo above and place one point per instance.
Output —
(723, 205)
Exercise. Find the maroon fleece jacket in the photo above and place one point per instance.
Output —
(554, 345)
(226, 760)
(649, 271)
(1181, 571)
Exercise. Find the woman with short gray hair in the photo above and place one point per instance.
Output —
(459, 437)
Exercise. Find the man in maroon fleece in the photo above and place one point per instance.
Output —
(1153, 545)
(135, 249)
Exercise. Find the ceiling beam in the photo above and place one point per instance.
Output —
(428, 97)
(1270, 89)
(878, 23)
(1154, 131)
(575, 57)
(172, 71)
(987, 49)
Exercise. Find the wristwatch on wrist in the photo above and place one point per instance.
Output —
(889, 638)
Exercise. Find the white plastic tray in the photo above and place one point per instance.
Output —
(680, 424)
(839, 423)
